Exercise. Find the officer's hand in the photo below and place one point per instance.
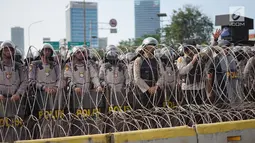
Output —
(217, 33)
(47, 90)
(154, 89)
(78, 91)
(195, 58)
(151, 90)
(211, 97)
(100, 89)
(53, 90)
(2, 97)
(15, 97)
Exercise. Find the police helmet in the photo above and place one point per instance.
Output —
(110, 47)
(167, 53)
(7, 44)
(130, 56)
(206, 53)
(112, 54)
(47, 46)
(150, 41)
(76, 49)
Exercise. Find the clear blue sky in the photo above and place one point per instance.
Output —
(23, 12)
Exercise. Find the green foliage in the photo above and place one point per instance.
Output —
(189, 23)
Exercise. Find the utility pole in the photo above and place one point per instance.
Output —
(84, 14)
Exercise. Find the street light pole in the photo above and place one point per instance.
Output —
(161, 23)
(29, 30)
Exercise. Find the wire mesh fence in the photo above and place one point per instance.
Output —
(96, 95)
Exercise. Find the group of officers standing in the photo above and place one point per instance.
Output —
(50, 96)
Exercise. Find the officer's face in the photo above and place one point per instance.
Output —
(226, 50)
(47, 52)
(80, 55)
(149, 49)
(8, 52)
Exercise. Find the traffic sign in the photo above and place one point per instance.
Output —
(112, 30)
(113, 22)
(54, 44)
(70, 44)
(88, 44)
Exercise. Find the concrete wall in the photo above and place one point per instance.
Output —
(226, 132)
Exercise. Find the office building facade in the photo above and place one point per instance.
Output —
(17, 37)
(75, 22)
(146, 19)
(103, 42)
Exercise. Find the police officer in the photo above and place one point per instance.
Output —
(223, 77)
(113, 74)
(79, 73)
(147, 74)
(12, 90)
(167, 58)
(249, 79)
(44, 76)
(191, 76)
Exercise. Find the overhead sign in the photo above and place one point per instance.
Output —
(54, 44)
(88, 44)
(113, 30)
(70, 44)
(113, 22)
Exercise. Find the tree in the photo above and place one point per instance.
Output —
(188, 23)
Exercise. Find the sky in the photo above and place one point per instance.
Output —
(24, 12)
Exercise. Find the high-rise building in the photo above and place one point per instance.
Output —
(146, 19)
(75, 22)
(103, 42)
(17, 37)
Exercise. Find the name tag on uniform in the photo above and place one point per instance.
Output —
(47, 71)
(116, 74)
(81, 74)
(232, 74)
(8, 75)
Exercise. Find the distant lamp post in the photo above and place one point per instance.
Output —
(29, 30)
(161, 21)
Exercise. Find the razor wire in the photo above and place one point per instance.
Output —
(42, 115)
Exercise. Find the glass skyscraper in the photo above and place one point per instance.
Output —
(75, 22)
(146, 19)
(17, 37)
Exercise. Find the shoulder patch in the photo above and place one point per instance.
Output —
(179, 60)
(67, 67)
(30, 67)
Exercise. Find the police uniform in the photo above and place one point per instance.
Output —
(249, 79)
(114, 76)
(191, 78)
(225, 79)
(86, 106)
(13, 82)
(42, 76)
(147, 73)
